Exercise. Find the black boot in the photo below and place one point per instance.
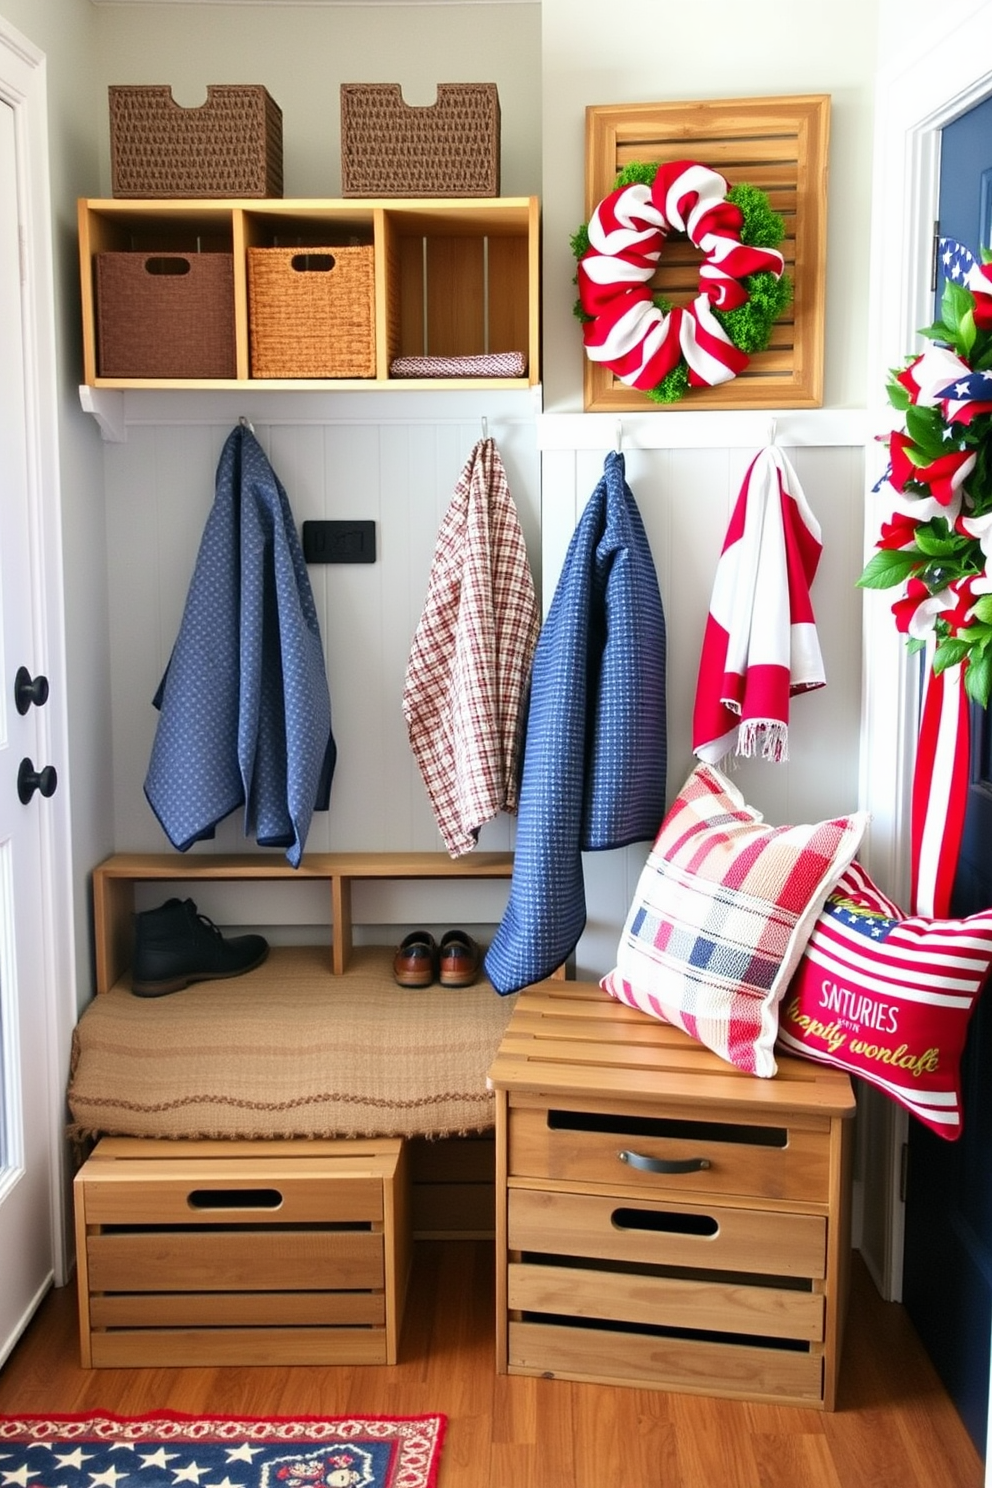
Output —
(175, 945)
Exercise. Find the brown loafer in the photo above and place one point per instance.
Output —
(415, 962)
(458, 959)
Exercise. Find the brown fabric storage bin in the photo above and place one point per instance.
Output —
(448, 148)
(308, 317)
(231, 146)
(155, 324)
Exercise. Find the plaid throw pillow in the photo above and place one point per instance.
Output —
(721, 916)
(889, 998)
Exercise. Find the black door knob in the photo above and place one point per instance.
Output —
(30, 780)
(28, 690)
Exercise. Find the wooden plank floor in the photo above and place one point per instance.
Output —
(895, 1427)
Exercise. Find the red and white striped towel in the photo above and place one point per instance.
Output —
(760, 646)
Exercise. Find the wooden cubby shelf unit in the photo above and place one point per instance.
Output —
(114, 882)
(453, 277)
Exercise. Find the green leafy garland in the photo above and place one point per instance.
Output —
(749, 326)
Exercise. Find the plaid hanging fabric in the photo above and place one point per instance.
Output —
(466, 682)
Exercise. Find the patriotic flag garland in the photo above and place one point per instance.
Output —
(935, 547)
(956, 260)
(967, 397)
(961, 266)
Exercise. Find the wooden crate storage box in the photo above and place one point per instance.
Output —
(235, 1253)
(392, 148)
(663, 1220)
(311, 312)
(230, 146)
(165, 314)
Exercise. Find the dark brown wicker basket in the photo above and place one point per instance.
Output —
(165, 324)
(311, 312)
(448, 148)
(230, 146)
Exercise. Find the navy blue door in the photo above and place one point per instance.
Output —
(947, 1279)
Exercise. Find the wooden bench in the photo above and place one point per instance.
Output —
(280, 1083)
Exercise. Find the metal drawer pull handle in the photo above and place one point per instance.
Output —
(663, 1164)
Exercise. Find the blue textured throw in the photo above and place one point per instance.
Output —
(595, 750)
(245, 714)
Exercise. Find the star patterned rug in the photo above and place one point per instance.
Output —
(167, 1450)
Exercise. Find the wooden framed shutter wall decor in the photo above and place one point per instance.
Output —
(777, 144)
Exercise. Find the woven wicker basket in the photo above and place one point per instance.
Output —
(311, 312)
(160, 324)
(231, 146)
(448, 148)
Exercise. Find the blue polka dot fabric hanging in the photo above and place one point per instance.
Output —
(596, 744)
(244, 706)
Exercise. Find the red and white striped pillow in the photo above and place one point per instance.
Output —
(888, 997)
(721, 915)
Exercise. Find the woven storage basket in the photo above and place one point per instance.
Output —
(308, 318)
(153, 324)
(229, 146)
(448, 148)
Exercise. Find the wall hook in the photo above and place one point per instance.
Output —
(618, 437)
(771, 431)
(246, 423)
(485, 427)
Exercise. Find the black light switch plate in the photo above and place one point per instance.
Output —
(339, 542)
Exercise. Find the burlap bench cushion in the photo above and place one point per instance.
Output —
(286, 1051)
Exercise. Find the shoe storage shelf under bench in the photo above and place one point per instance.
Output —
(114, 882)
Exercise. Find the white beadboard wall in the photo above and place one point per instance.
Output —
(685, 495)
(394, 458)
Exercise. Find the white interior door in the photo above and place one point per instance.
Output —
(26, 1220)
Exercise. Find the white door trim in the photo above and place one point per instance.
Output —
(23, 86)
(914, 100)
(934, 80)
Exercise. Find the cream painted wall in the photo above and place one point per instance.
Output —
(657, 50)
(560, 51)
(302, 53)
(65, 31)
(412, 449)
(550, 61)
(638, 51)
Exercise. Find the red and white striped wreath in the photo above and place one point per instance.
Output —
(625, 329)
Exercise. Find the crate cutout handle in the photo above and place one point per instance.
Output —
(666, 1222)
(629, 1125)
(313, 263)
(175, 264)
(234, 1198)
